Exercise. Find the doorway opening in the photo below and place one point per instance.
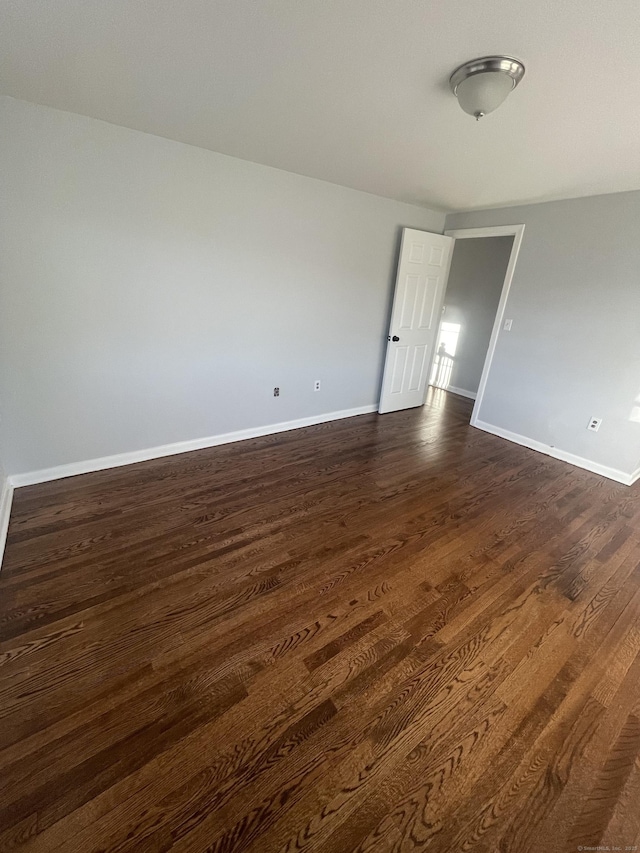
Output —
(427, 348)
(472, 317)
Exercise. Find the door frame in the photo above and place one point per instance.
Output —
(517, 232)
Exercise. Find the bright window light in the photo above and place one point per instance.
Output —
(445, 353)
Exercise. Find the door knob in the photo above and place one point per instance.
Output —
(395, 338)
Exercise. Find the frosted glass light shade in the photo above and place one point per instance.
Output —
(482, 93)
(482, 84)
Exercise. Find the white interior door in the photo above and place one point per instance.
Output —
(420, 284)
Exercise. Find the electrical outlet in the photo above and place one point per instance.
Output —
(316, 385)
(276, 392)
(594, 424)
(507, 325)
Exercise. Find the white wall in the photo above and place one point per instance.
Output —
(153, 292)
(478, 268)
(574, 351)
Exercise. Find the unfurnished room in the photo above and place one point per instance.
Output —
(319, 426)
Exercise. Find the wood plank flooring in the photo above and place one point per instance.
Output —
(389, 633)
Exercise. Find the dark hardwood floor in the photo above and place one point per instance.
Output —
(389, 633)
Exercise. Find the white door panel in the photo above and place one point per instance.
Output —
(422, 277)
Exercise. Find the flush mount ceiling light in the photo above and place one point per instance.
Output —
(483, 84)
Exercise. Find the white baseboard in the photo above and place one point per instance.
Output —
(462, 392)
(594, 467)
(635, 476)
(562, 455)
(30, 478)
(6, 498)
(512, 436)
